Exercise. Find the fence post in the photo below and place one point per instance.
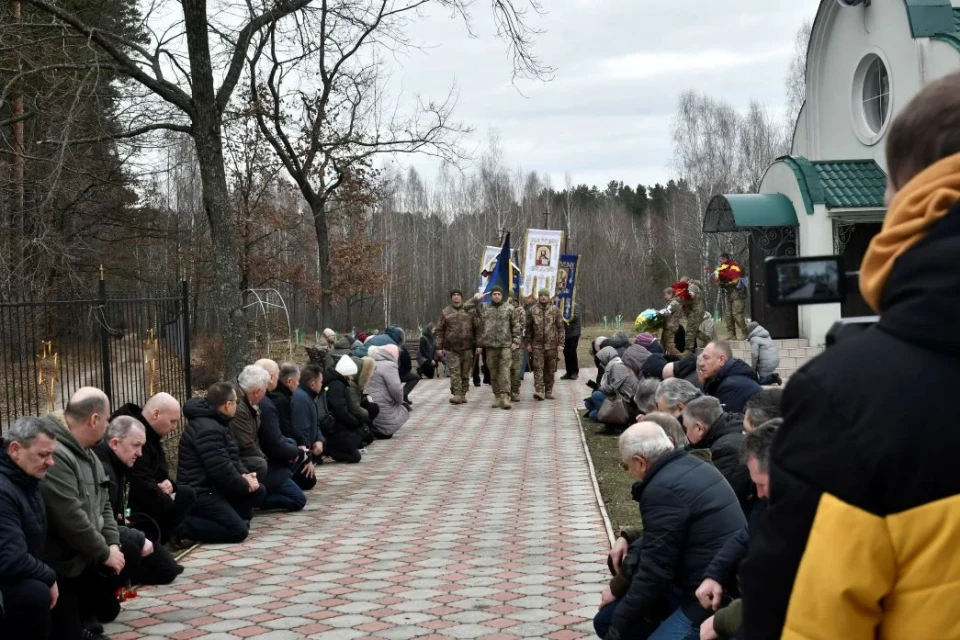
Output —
(185, 304)
(105, 339)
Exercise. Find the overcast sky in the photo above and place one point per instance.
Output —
(620, 66)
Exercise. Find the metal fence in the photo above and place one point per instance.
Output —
(131, 347)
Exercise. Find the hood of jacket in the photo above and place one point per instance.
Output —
(635, 357)
(606, 355)
(918, 302)
(396, 334)
(332, 375)
(758, 332)
(428, 331)
(383, 355)
(726, 424)
(343, 344)
(201, 408)
(14, 473)
(735, 367)
(367, 368)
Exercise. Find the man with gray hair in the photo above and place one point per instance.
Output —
(153, 493)
(689, 512)
(708, 426)
(251, 387)
(673, 394)
(28, 585)
(118, 452)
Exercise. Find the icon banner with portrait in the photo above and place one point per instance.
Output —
(567, 285)
(541, 260)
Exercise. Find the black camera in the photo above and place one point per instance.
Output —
(815, 280)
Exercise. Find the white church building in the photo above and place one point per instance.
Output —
(866, 60)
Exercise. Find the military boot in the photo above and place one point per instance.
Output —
(538, 395)
(515, 397)
(463, 398)
(505, 401)
(550, 395)
(497, 403)
(454, 399)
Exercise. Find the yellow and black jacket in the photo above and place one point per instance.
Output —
(862, 537)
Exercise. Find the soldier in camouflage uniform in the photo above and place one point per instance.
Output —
(545, 337)
(455, 333)
(692, 315)
(500, 334)
(516, 359)
(674, 315)
(736, 304)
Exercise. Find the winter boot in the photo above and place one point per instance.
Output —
(515, 397)
(538, 395)
(455, 400)
(550, 395)
(505, 401)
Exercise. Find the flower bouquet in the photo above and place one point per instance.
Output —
(728, 274)
(649, 320)
(682, 289)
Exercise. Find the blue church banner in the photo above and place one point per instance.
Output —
(567, 285)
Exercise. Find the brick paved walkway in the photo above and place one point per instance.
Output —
(470, 523)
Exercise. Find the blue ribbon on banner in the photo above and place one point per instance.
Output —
(567, 285)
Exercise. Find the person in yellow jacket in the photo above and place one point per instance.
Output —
(861, 536)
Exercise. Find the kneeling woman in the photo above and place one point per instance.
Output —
(345, 435)
(386, 391)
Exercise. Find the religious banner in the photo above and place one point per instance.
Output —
(541, 259)
(567, 285)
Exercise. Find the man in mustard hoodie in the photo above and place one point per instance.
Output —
(860, 540)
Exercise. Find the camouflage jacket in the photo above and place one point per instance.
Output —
(674, 315)
(456, 329)
(521, 316)
(498, 325)
(545, 326)
(694, 306)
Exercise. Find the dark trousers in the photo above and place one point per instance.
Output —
(304, 482)
(215, 520)
(428, 370)
(284, 496)
(93, 593)
(344, 446)
(479, 367)
(409, 380)
(570, 356)
(165, 515)
(26, 610)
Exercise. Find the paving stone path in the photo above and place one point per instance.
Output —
(471, 523)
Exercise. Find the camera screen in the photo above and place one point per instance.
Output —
(808, 281)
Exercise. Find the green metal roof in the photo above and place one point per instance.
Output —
(855, 184)
(929, 18)
(735, 212)
(952, 38)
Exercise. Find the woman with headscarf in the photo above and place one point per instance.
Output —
(427, 354)
(386, 391)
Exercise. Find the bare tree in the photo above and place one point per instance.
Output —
(796, 82)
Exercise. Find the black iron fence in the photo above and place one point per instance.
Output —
(129, 346)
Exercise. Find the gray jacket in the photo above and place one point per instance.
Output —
(617, 379)
(764, 354)
(385, 389)
(80, 523)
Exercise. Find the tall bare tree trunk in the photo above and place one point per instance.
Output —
(318, 207)
(208, 138)
(18, 150)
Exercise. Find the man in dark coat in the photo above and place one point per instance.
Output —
(689, 513)
(27, 584)
(226, 490)
(118, 451)
(305, 411)
(709, 427)
(729, 379)
(287, 382)
(861, 534)
(285, 460)
(152, 491)
(571, 341)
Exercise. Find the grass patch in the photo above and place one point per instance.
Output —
(615, 483)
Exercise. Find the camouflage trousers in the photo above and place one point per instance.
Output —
(516, 368)
(544, 369)
(692, 317)
(498, 361)
(737, 322)
(668, 337)
(459, 366)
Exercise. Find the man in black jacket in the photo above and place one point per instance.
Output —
(709, 427)
(729, 379)
(152, 492)
(861, 536)
(118, 451)
(227, 491)
(288, 379)
(28, 586)
(689, 512)
(572, 331)
(287, 464)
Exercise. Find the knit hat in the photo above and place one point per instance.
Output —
(346, 366)
(753, 324)
(644, 339)
(543, 292)
(496, 288)
(454, 292)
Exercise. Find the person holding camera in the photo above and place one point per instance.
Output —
(861, 535)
